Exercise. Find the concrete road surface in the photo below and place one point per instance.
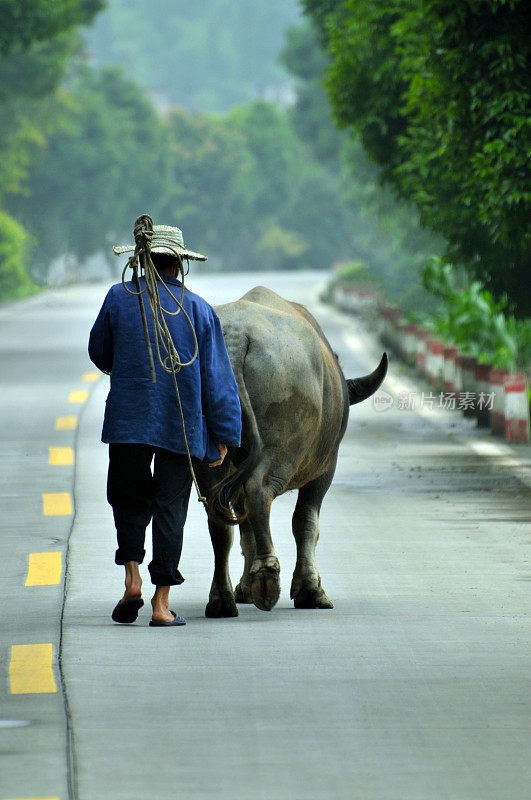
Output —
(414, 687)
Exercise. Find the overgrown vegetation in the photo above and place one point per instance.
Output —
(387, 235)
(438, 94)
(430, 97)
(35, 46)
(471, 318)
(465, 313)
(86, 150)
(14, 279)
(349, 275)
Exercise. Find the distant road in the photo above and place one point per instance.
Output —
(414, 687)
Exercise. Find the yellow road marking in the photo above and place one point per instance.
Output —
(44, 569)
(90, 377)
(66, 423)
(56, 504)
(78, 396)
(61, 456)
(30, 669)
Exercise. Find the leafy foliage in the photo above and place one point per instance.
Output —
(36, 40)
(386, 233)
(438, 92)
(353, 273)
(23, 24)
(247, 190)
(280, 248)
(14, 280)
(471, 318)
(96, 170)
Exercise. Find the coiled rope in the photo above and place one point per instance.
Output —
(167, 354)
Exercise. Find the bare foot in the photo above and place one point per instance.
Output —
(161, 604)
(133, 581)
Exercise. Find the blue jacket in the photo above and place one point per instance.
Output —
(138, 410)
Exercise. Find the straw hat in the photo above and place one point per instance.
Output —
(166, 240)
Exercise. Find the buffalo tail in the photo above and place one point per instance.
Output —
(360, 389)
(223, 498)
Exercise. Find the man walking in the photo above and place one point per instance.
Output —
(142, 420)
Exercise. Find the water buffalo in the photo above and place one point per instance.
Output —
(295, 404)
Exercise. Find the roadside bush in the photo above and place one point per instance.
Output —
(14, 280)
(279, 248)
(471, 318)
(354, 273)
(349, 274)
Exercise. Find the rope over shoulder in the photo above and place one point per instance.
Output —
(167, 354)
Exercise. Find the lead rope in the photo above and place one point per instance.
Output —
(171, 361)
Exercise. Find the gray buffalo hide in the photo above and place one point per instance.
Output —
(295, 403)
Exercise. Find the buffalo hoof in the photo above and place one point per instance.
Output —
(221, 607)
(311, 597)
(242, 593)
(265, 583)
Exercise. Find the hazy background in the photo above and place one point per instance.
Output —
(277, 134)
(209, 55)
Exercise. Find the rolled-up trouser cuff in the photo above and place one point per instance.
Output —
(164, 575)
(122, 556)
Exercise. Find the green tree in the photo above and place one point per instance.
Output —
(25, 23)
(249, 192)
(102, 166)
(14, 280)
(36, 40)
(292, 191)
(438, 92)
(385, 232)
(470, 317)
(208, 192)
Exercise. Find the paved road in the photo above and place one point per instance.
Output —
(416, 685)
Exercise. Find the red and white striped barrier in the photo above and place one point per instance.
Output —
(468, 381)
(396, 321)
(497, 388)
(484, 399)
(435, 361)
(449, 368)
(458, 374)
(400, 337)
(384, 313)
(392, 322)
(422, 337)
(410, 343)
(516, 409)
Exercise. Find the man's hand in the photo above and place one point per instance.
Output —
(223, 452)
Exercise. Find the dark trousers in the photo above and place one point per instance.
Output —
(136, 496)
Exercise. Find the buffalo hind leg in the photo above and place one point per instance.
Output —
(265, 569)
(242, 592)
(221, 598)
(306, 588)
(221, 601)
